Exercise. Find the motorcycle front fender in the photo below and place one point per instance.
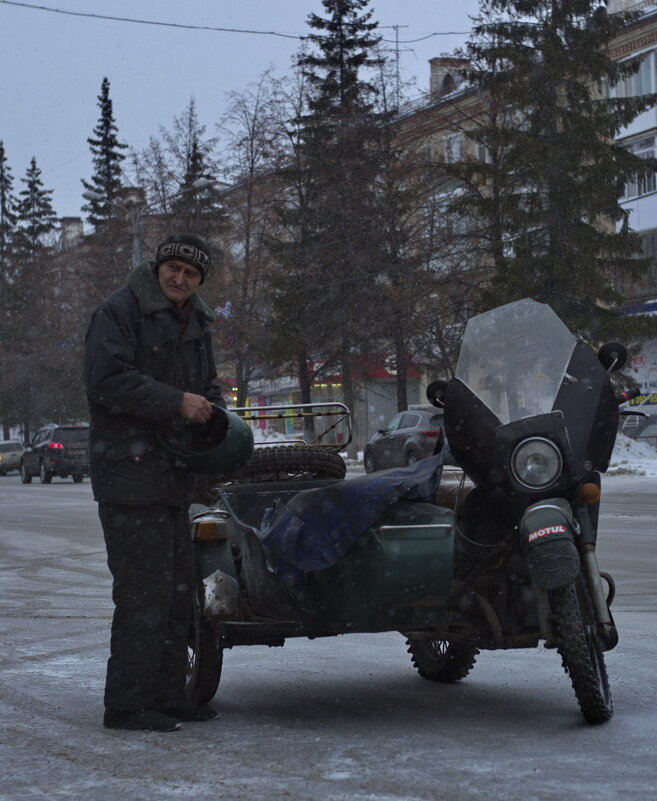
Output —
(547, 529)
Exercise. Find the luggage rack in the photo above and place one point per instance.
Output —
(335, 412)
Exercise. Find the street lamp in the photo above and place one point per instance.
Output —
(135, 217)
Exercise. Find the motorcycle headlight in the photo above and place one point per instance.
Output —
(536, 463)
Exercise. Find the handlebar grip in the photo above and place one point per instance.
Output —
(627, 395)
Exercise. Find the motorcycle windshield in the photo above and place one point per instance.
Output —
(514, 358)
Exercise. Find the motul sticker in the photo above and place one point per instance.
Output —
(543, 532)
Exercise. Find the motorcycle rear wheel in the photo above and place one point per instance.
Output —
(441, 660)
(204, 661)
(581, 651)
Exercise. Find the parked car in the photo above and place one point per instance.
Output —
(57, 451)
(408, 437)
(642, 429)
(648, 432)
(11, 451)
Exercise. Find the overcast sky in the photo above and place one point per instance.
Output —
(52, 65)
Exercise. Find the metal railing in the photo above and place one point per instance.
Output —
(336, 413)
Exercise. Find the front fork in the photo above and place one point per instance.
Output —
(594, 581)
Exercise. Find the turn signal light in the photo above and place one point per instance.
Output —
(589, 493)
(209, 530)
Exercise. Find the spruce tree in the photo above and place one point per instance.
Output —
(7, 212)
(7, 224)
(337, 170)
(36, 217)
(197, 210)
(546, 194)
(29, 296)
(107, 157)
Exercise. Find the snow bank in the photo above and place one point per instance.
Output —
(264, 437)
(632, 457)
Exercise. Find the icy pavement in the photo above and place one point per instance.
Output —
(335, 719)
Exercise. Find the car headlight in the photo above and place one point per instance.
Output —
(536, 463)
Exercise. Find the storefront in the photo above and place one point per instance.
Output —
(376, 397)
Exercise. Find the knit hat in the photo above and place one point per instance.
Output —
(185, 247)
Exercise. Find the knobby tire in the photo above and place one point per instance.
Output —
(441, 660)
(283, 462)
(581, 650)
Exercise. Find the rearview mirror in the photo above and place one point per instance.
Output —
(436, 393)
(612, 356)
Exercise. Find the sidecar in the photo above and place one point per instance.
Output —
(281, 559)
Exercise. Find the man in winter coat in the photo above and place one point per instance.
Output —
(149, 367)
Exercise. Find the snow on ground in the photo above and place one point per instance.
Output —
(632, 458)
(269, 437)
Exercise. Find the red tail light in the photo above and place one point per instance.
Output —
(434, 434)
(57, 446)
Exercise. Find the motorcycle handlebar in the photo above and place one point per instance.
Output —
(627, 395)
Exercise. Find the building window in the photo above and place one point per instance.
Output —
(453, 147)
(649, 243)
(449, 85)
(640, 83)
(646, 284)
(642, 184)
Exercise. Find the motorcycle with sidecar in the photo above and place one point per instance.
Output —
(505, 559)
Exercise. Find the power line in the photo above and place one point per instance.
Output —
(146, 21)
(209, 27)
(421, 39)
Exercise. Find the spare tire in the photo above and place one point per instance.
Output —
(283, 462)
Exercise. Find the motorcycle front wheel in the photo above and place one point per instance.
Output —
(580, 649)
(441, 660)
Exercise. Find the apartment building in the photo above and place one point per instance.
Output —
(639, 41)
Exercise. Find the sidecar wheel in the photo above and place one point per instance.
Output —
(581, 650)
(204, 661)
(294, 462)
(441, 660)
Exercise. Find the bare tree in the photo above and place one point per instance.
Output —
(254, 148)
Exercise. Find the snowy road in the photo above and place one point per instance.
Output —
(340, 718)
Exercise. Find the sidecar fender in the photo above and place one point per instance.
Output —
(548, 529)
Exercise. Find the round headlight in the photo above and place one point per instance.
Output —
(536, 463)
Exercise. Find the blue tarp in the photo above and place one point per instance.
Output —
(318, 526)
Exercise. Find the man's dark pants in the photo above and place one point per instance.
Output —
(149, 554)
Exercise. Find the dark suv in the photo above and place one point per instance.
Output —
(409, 436)
(57, 451)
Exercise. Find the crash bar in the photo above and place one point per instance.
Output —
(416, 525)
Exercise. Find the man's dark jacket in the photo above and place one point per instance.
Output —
(141, 356)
